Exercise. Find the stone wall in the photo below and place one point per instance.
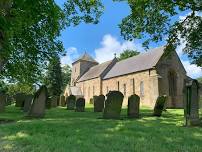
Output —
(172, 64)
(90, 88)
(148, 79)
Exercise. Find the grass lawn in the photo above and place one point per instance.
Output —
(68, 131)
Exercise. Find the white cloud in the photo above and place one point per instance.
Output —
(192, 70)
(110, 45)
(71, 55)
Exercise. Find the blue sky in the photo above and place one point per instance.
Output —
(103, 40)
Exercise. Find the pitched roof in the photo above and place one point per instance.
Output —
(85, 57)
(137, 63)
(95, 71)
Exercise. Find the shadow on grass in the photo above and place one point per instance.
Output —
(64, 130)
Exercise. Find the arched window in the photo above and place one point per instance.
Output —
(141, 88)
(172, 80)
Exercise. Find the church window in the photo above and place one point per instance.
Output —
(93, 90)
(141, 88)
(118, 85)
(124, 89)
(132, 82)
(89, 92)
(107, 89)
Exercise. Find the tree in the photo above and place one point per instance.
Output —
(29, 32)
(127, 54)
(200, 79)
(54, 76)
(150, 20)
(66, 76)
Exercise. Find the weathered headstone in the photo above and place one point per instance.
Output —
(19, 99)
(191, 103)
(71, 102)
(99, 103)
(48, 103)
(62, 101)
(2, 102)
(80, 105)
(113, 105)
(91, 100)
(54, 101)
(133, 106)
(39, 102)
(159, 106)
(27, 103)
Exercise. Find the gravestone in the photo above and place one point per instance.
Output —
(113, 105)
(71, 101)
(48, 103)
(19, 99)
(27, 103)
(80, 105)
(54, 101)
(191, 103)
(39, 102)
(8, 100)
(62, 101)
(133, 106)
(159, 106)
(99, 103)
(2, 102)
(91, 100)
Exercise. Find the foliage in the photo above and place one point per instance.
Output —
(53, 79)
(29, 32)
(127, 54)
(85, 130)
(66, 76)
(3, 87)
(151, 21)
(200, 80)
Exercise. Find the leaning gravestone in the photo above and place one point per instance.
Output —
(2, 102)
(159, 106)
(62, 101)
(27, 103)
(99, 103)
(54, 101)
(191, 104)
(133, 106)
(71, 101)
(80, 105)
(113, 105)
(39, 103)
(19, 99)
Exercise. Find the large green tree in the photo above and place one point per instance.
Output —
(127, 54)
(53, 78)
(29, 31)
(156, 20)
(66, 76)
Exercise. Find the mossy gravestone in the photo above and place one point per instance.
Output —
(27, 103)
(3, 98)
(19, 100)
(71, 101)
(39, 103)
(80, 105)
(113, 105)
(159, 106)
(133, 106)
(62, 101)
(99, 103)
(54, 101)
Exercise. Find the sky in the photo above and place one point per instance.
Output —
(102, 40)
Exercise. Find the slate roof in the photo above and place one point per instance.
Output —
(85, 57)
(137, 63)
(95, 71)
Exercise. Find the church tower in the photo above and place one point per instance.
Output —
(80, 66)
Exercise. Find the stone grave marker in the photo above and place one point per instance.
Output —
(133, 106)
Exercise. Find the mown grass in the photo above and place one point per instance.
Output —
(68, 131)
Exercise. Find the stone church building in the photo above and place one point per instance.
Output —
(148, 75)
